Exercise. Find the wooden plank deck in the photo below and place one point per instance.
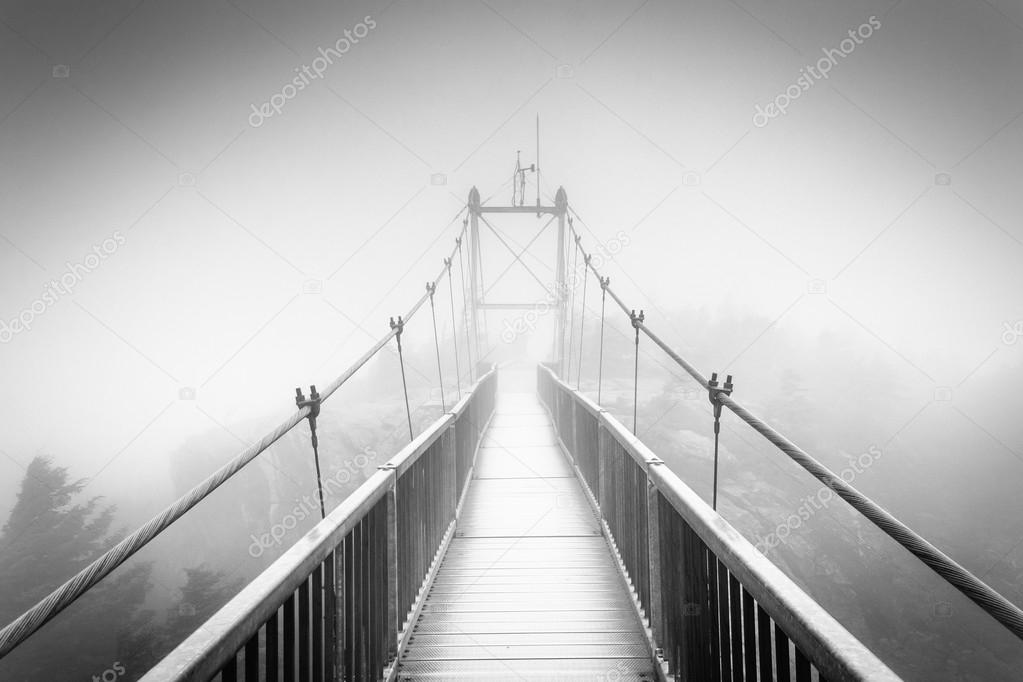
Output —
(528, 589)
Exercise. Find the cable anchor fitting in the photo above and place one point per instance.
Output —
(313, 403)
(430, 288)
(715, 391)
(447, 264)
(398, 327)
(604, 283)
(636, 319)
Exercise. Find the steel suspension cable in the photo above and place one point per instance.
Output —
(582, 322)
(431, 288)
(399, 327)
(604, 281)
(454, 330)
(571, 306)
(636, 321)
(313, 403)
(465, 311)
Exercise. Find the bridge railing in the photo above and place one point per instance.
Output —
(717, 608)
(337, 603)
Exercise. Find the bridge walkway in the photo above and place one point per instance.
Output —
(528, 588)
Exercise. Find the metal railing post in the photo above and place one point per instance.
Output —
(338, 673)
(656, 613)
(393, 616)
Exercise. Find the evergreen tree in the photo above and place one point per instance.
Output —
(49, 536)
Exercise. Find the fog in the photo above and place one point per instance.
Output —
(859, 250)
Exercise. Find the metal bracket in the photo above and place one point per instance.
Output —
(313, 403)
(715, 392)
(636, 319)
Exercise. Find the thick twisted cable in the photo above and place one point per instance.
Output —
(1000, 608)
(33, 619)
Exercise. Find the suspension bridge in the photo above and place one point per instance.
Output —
(527, 533)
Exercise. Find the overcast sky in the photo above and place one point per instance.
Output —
(883, 205)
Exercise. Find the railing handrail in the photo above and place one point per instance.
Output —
(202, 654)
(987, 598)
(834, 650)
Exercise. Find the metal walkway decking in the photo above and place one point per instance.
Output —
(528, 588)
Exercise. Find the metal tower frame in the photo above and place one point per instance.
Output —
(478, 302)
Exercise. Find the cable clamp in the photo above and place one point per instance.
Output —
(430, 288)
(313, 403)
(604, 283)
(715, 391)
(636, 319)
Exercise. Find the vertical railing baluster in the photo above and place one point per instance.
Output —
(350, 599)
(395, 614)
(711, 621)
(316, 595)
(749, 636)
(365, 605)
(289, 639)
(736, 629)
(764, 658)
(802, 667)
(252, 658)
(229, 673)
(723, 613)
(272, 635)
(303, 632)
(329, 616)
(655, 608)
(781, 654)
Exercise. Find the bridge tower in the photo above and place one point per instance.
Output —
(559, 295)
